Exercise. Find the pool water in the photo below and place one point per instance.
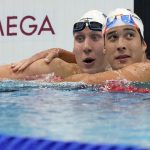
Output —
(74, 112)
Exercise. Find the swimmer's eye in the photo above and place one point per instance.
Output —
(79, 38)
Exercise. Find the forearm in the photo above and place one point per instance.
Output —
(38, 67)
(57, 66)
(40, 55)
(67, 56)
(62, 54)
(97, 78)
(139, 72)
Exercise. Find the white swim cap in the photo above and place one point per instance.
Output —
(94, 15)
(91, 16)
(122, 16)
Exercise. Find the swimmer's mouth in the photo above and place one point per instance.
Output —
(122, 57)
(88, 60)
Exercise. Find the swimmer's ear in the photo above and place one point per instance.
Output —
(144, 46)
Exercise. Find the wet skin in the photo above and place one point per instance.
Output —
(89, 51)
(124, 46)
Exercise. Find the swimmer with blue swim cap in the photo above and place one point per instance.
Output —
(125, 50)
(124, 38)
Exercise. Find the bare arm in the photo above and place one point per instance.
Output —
(139, 72)
(48, 56)
(57, 66)
(67, 56)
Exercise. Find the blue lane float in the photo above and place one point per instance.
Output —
(26, 143)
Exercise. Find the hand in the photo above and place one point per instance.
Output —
(20, 66)
(53, 53)
(48, 56)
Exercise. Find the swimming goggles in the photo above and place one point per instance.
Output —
(95, 26)
(127, 19)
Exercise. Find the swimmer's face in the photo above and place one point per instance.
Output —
(88, 50)
(123, 46)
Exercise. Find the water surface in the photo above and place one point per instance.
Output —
(74, 112)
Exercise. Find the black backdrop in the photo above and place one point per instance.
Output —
(142, 9)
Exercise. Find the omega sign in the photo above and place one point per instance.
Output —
(33, 28)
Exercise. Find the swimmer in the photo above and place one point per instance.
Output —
(88, 53)
(125, 50)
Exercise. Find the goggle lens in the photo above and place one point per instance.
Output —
(95, 26)
(127, 19)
